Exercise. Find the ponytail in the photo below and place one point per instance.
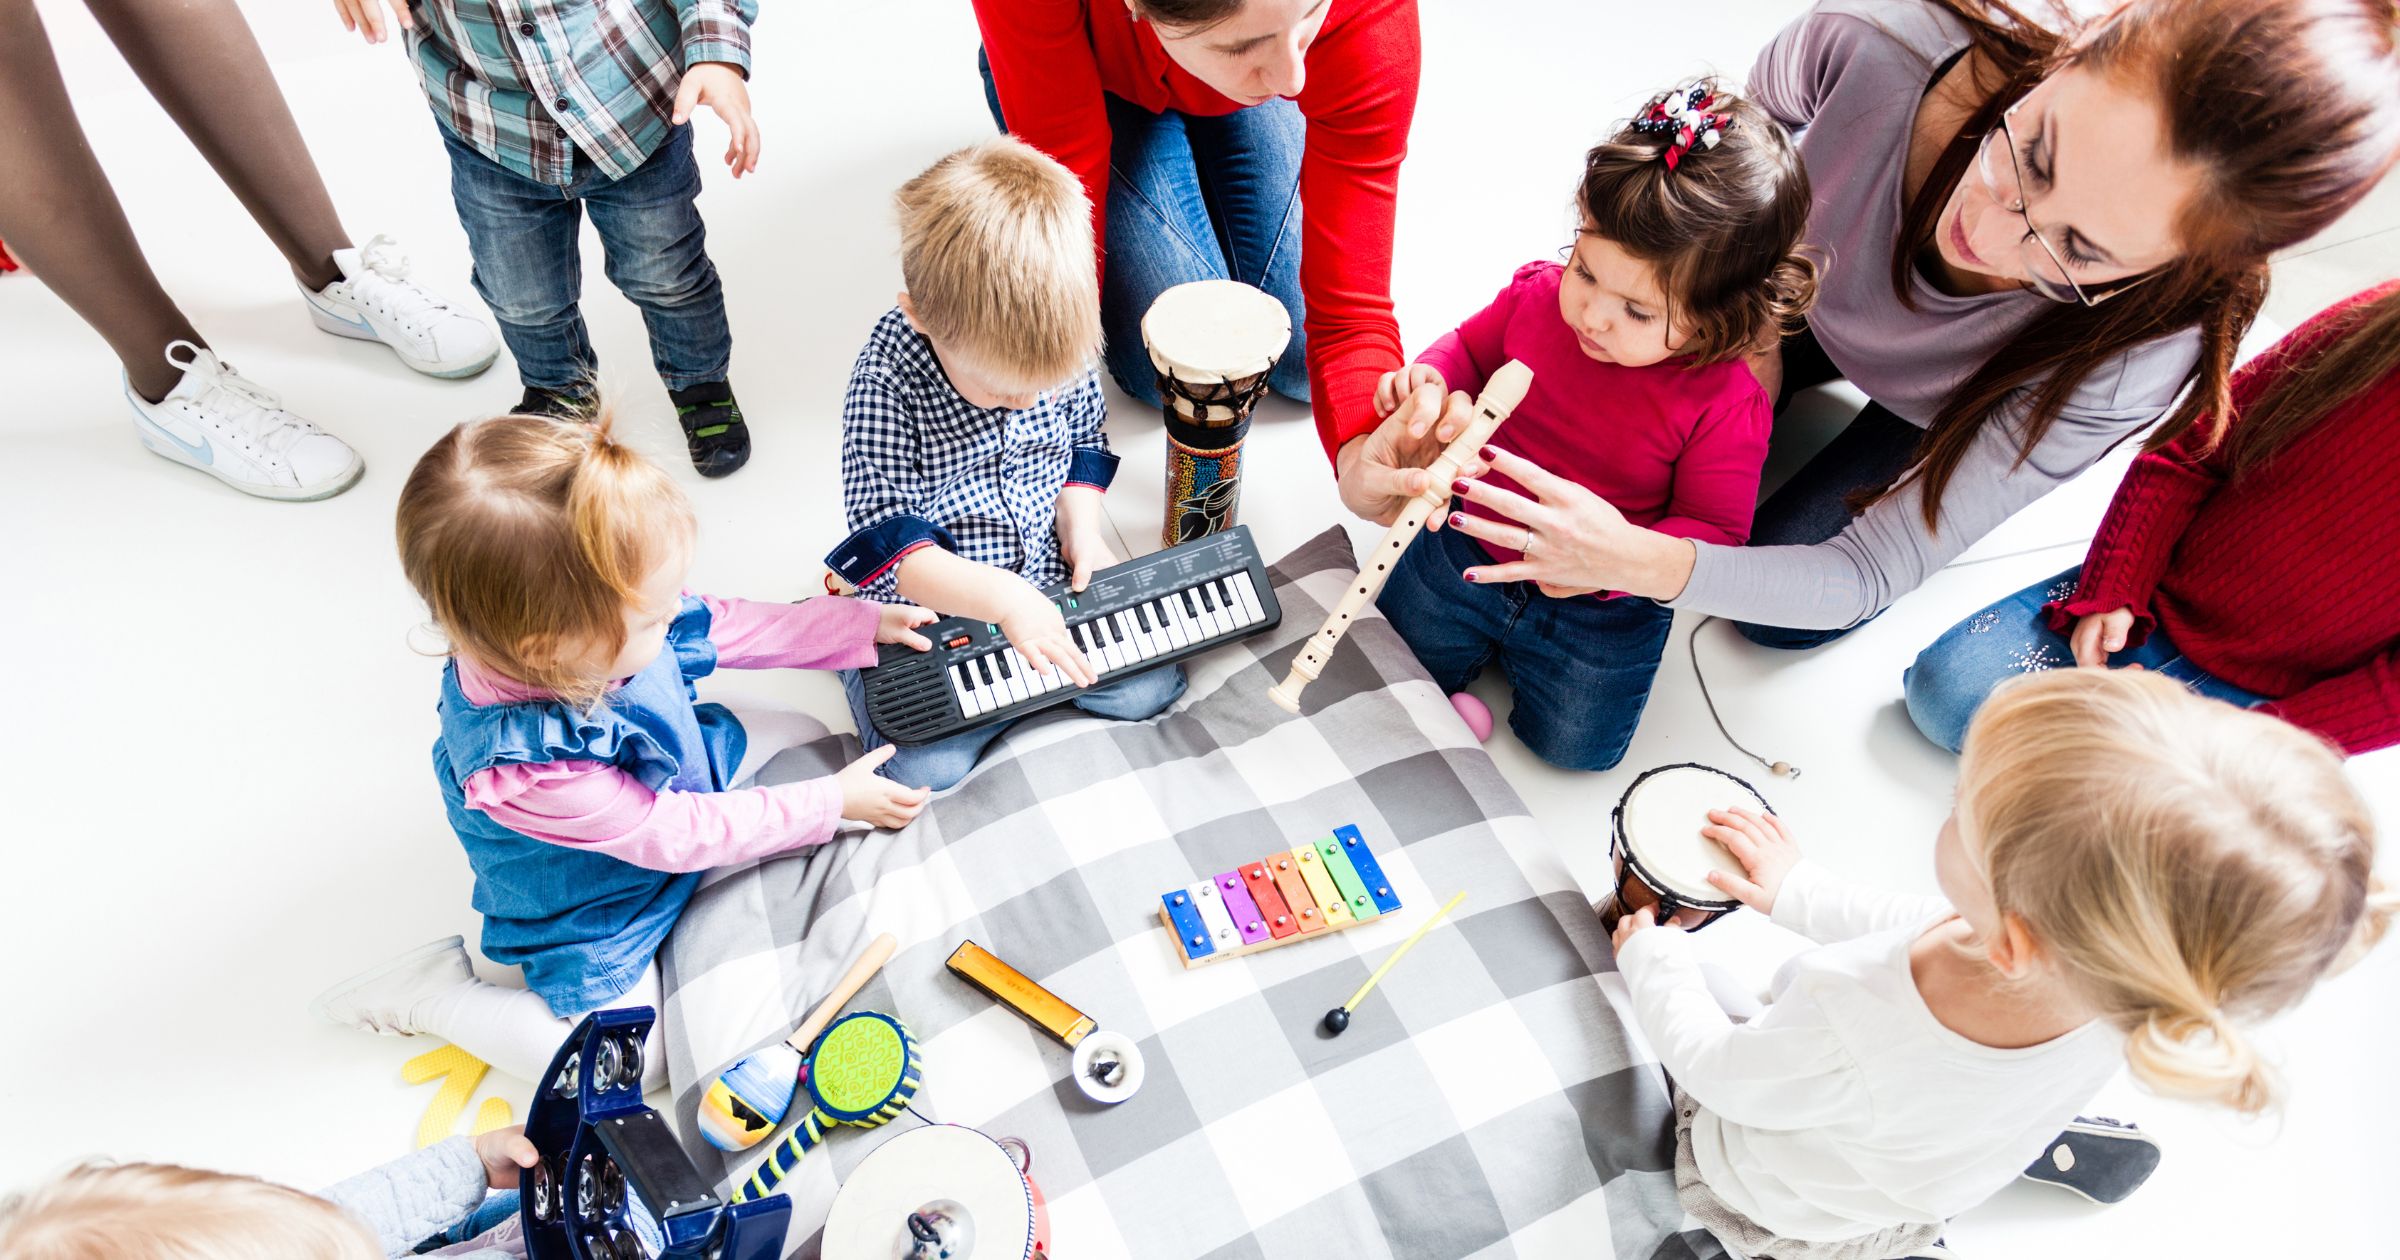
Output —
(2185, 865)
(527, 537)
(2202, 1056)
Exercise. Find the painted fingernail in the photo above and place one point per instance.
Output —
(1469, 575)
(1458, 518)
(1489, 453)
(1458, 487)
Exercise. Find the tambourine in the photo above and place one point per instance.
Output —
(864, 1072)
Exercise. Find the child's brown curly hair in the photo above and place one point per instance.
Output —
(1722, 226)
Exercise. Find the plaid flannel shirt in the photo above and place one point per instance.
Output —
(923, 467)
(527, 83)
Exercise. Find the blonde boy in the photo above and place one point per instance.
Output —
(972, 454)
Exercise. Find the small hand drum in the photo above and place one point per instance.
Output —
(1662, 860)
(863, 1072)
(941, 1192)
(1213, 343)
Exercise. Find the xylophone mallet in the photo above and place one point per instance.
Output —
(1501, 394)
(1338, 1018)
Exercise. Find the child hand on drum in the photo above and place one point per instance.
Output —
(2132, 873)
(1685, 256)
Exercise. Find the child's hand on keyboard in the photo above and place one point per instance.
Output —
(870, 798)
(899, 625)
(1085, 553)
(1039, 634)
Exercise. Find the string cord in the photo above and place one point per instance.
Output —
(1785, 769)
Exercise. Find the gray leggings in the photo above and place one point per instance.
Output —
(58, 213)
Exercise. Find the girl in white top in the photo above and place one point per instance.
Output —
(2131, 871)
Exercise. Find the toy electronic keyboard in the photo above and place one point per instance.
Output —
(1142, 614)
(1332, 884)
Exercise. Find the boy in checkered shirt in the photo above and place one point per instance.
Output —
(552, 108)
(972, 456)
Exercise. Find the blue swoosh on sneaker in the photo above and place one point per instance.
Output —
(203, 451)
(359, 323)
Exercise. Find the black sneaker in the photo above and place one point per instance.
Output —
(552, 404)
(2101, 1159)
(712, 427)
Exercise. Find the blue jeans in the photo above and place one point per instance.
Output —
(942, 763)
(1814, 506)
(525, 237)
(498, 1206)
(1581, 668)
(1953, 676)
(1197, 198)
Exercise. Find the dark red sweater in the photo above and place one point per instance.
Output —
(2286, 582)
(1052, 59)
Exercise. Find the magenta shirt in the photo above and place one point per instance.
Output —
(595, 805)
(1675, 448)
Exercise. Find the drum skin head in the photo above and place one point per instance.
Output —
(1661, 817)
(921, 1166)
(1208, 331)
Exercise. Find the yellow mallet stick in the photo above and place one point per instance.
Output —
(1338, 1018)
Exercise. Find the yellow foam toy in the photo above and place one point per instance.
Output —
(459, 1073)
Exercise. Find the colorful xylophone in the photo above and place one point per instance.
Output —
(1332, 884)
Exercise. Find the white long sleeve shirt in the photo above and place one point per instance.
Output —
(1846, 1107)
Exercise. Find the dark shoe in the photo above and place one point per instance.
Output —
(2101, 1159)
(712, 427)
(553, 405)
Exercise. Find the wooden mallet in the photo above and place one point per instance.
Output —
(749, 1100)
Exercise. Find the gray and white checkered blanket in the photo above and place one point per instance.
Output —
(1489, 1100)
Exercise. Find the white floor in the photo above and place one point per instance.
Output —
(221, 725)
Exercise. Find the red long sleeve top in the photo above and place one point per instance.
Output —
(1052, 60)
(2285, 582)
(1675, 448)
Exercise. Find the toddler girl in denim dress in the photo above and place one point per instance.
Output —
(588, 784)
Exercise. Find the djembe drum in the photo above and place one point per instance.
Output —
(1213, 343)
(1662, 860)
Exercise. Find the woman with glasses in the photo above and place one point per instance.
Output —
(2036, 241)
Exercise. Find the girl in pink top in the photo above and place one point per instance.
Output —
(587, 782)
(1686, 259)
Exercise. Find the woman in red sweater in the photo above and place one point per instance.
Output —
(2263, 570)
(1217, 120)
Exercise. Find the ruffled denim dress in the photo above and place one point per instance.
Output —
(583, 925)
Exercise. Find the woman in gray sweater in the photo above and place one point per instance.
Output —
(2034, 244)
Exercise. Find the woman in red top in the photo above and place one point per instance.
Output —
(2263, 569)
(1199, 127)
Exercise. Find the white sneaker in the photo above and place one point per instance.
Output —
(220, 423)
(381, 999)
(376, 301)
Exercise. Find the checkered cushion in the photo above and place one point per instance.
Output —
(1488, 1100)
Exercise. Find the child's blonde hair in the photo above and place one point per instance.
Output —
(164, 1212)
(996, 251)
(2187, 865)
(527, 537)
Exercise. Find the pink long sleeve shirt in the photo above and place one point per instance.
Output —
(594, 805)
(1675, 448)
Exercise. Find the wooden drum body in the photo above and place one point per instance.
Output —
(1213, 343)
(1662, 861)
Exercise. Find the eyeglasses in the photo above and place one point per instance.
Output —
(2044, 263)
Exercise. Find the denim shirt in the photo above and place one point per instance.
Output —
(583, 925)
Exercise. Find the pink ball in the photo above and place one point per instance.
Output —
(1474, 713)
